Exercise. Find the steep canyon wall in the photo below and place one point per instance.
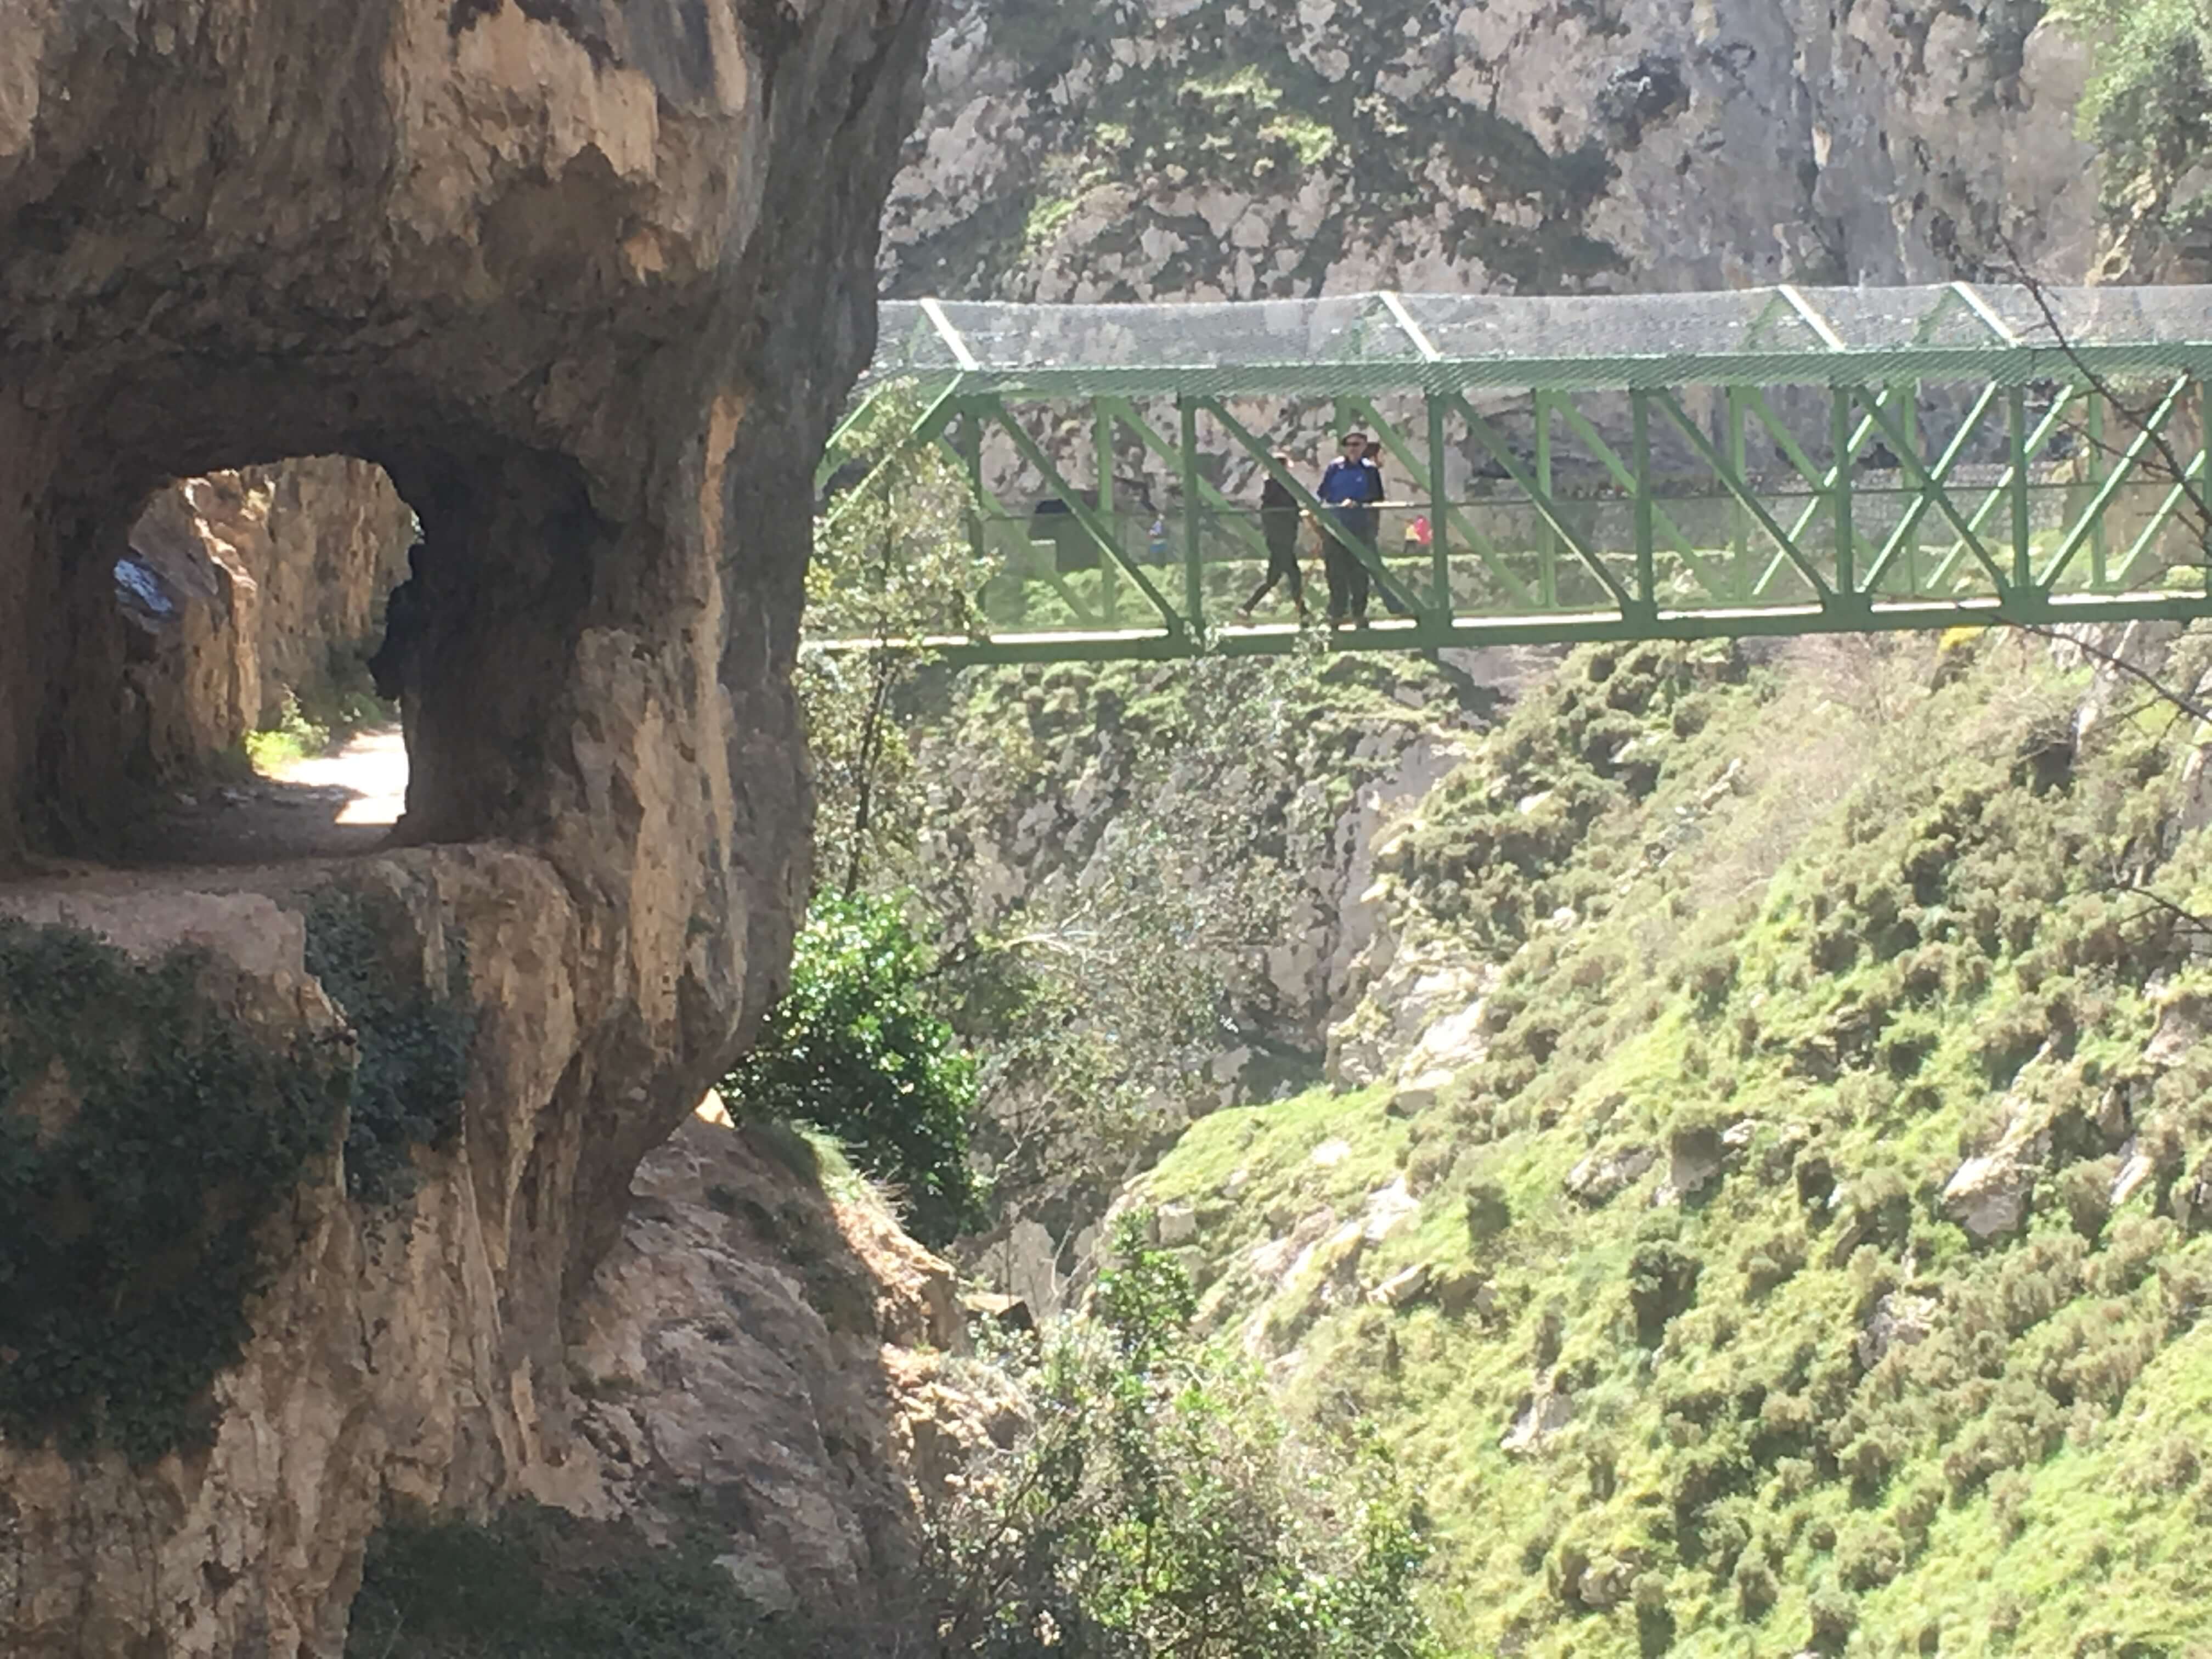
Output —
(1218, 148)
(248, 589)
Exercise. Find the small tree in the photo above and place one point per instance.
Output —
(2148, 103)
(854, 1049)
(1160, 1505)
(893, 561)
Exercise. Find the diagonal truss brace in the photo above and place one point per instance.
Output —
(1822, 484)
(2006, 484)
(1418, 470)
(1099, 532)
(2185, 489)
(1003, 514)
(1910, 455)
(926, 426)
(1745, 497)
(1580, 425)
(1237, 518)
(1322, 517)
(2146, 434)
(1495, 446)
(1908, 525)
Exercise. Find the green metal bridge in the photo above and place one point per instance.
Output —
(1765, 461)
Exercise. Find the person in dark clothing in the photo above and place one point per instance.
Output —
(391, 670)
(1350, 489)
(1279, 523)
(1374, 458)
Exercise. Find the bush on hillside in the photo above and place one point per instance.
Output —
(855, 1049)
(1160, 1505)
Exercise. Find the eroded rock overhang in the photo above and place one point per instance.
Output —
(587, 281)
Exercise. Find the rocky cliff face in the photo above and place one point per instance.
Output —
(1219, 148)
(582, 279)
(245, 588)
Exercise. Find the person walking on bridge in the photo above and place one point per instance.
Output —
(1349, 489)
(1279, 523)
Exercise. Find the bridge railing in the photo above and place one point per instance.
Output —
(1048, 572)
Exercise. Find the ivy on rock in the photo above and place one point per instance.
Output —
(148, 1137)
(145, 1138)
(414, 1035)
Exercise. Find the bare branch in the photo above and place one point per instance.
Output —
(2177, 470)
(2187, 704)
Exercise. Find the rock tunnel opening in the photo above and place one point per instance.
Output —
(250, 608)
(176, 662)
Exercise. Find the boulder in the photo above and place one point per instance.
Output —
(1605, 1584)
(1543, 1412)
(1407, 1285)
(1604, 1174)
(2136, 1167)
(1898, 1319)
(2182, 1021)
(1466, 1291)
(1418, 1095)
(1177, 1224)
(1694, 1156)
(1988, 1194)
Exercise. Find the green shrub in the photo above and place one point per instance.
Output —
(1835, 1616)
(1489, 1211)
(1662, 1283)
(854, 1049)
(1868, 1557)
(146, 1137)
(1160, 1505)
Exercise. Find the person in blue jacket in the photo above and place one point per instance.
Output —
(1350, 489)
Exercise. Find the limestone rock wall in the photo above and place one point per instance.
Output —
(244, 588)
(1212, 149)
(584, 281)
(325, 539)
(748, 1344)
(790, 1359)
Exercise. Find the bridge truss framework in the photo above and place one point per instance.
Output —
(1759, 462)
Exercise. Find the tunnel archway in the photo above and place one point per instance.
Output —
(509, 539)
(249, 605)
(589, 282)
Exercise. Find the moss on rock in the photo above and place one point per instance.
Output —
(413, 1035)
(146, 1136)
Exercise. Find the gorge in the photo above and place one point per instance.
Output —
(1731, 1118)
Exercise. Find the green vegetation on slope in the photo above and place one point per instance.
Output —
(147, 1133)
(1158, 1506)
(2148, 105)
(1698, 1357)
(852, 1049)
